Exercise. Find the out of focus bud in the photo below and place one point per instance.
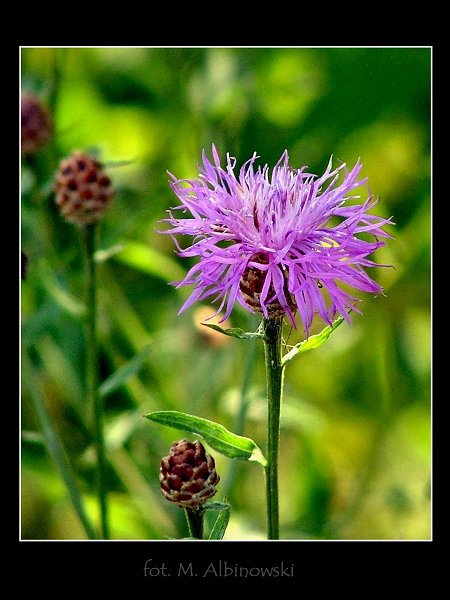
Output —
(36, 124)
(84, 191)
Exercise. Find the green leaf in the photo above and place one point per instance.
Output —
(34, 437)
(55, 447)
(216, 435)
(61, 296)
(103, 254)
(130, 368)
(143, 258)
(221, 523)
(112, 164)
(217, 505)
(236, 332)
(315, 341)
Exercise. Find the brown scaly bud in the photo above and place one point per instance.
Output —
(188, 474)
(83, 189)
(251, 286)
(36, 124)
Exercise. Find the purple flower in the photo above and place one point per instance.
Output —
(277, 243)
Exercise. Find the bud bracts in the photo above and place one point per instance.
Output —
(188, 474)
(83, 189)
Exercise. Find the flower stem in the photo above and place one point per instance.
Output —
(273, 329)
(194, 518)
(95, 401)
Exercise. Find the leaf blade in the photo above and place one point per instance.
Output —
(235, 332)
(221, 523)
(216, 435)
(149, 260)
(63, 298)
(103, 254)
(216, 505)
(124, 372)
(315, 341)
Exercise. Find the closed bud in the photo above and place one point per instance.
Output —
(188, 474)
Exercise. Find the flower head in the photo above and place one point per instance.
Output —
(277, 242)
(83, 190)
(188, 475)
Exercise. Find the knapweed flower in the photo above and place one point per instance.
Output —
(277, 242)
(83, 190)
(188, 475)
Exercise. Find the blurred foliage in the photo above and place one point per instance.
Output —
(355, 447)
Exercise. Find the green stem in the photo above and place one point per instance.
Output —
(273, 329)
(194, 518)
(95, 401)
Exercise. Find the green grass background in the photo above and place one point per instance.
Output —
(355, 438)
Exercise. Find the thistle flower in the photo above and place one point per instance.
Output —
(188, 474)
(276, 242)
(83, 189)
(36, 124)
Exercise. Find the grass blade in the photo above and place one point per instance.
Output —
(123, 373)
(56, 451)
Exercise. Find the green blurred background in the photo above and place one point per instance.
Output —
(355, 440)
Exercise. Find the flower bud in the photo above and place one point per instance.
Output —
(83, 189)
(36, 124)
(188, 474)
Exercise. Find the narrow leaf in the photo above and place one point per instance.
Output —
(61, 296)
(315, 341)
(123, 373)
(33, 437)
(142, 257)
(103, 254)
(216, 505)
(112, 164)
(216, 435)
(235, 332)
(56, 450)
(221, 523)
